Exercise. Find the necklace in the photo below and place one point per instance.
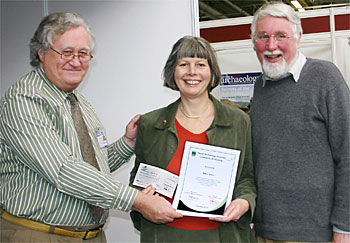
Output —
(189, 116)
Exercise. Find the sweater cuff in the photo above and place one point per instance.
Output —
(335, 229)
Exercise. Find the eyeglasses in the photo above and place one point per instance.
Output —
(83, 56)
(280, 38)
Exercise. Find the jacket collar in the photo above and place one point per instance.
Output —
(166, 119)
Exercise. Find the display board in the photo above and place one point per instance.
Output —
(326, 36)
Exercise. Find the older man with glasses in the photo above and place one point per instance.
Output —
(55, 160)
(300, 132)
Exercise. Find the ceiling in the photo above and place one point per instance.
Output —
(222, 9)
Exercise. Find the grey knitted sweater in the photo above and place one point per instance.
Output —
(300, 134)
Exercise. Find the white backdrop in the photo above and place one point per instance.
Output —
(134, 39)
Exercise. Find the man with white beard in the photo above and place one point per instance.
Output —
(300, 132)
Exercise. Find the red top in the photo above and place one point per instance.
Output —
(188, 222)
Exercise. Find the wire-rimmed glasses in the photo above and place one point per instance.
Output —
(83, 56)
(279, 37)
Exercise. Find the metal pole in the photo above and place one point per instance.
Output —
(195, 17)
(45, 9)
(332, 32)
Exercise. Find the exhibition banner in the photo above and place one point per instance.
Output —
(238, 88)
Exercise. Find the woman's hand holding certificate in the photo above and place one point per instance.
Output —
(234, 211)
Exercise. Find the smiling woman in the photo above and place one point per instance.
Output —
(192, 69)
(192, 77)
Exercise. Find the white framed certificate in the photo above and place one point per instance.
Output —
(206, 181)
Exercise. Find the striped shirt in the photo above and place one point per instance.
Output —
(43, 175)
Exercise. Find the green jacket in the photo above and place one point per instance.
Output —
(157, 143)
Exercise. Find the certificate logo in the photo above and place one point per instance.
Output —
(194, 153)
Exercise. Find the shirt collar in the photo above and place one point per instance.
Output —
(294, 70)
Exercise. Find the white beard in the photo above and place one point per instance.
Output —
(275, 70)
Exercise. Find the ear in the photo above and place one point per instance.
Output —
(298, 41)
(41, 54)
(253, 41)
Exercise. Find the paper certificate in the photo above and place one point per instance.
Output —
(164, 181)
(206, 181)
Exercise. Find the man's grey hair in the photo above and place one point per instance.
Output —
(52, 26)
(278, 9)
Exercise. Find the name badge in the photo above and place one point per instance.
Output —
(101, 138)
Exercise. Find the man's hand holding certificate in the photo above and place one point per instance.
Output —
(207, 180)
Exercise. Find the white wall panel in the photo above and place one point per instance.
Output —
(19, 20)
